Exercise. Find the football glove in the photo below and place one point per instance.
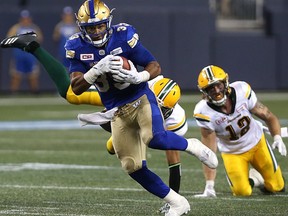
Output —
(131, 76)
(279, 144)
(108, 64)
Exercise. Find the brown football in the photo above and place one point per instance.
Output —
(125, 63)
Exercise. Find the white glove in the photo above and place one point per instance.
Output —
(278, 143)
(131, 76)
(108, 64)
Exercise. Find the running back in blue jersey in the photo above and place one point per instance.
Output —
(124, 41)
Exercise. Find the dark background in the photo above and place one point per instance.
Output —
(181, 34)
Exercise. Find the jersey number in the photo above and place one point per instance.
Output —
(102, 84)
(243, 123)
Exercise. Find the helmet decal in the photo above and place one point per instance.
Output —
(212, 75)
(90, 14)
(167, 92)
(166, 89)
(91, 9)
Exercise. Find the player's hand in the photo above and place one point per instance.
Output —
(108, 64)
(131, 76)
(279, 144)
(116, 63)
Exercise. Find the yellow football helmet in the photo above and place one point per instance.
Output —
(209, 76)
(168, 94)
(91, 14)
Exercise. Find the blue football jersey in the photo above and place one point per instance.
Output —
(123, 41)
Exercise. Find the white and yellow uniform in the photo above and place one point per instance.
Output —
(241, 140)
(237, 132)
(176, 122)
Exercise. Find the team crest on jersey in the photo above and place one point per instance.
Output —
(87, 56)
(101, 52)
(116, 51)
(132, 43)
(221, 120)
(70, 54)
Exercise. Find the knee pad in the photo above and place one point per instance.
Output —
(130, 165)
(242, 191)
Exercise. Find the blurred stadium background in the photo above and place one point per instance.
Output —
(49, 165)
(248, 38)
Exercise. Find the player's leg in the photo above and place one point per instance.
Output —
(33, 78)
(265, 163)
(174, 165)
(15, 80)
(131, 151)
(54, 68)
(159, 138)
(237, 169)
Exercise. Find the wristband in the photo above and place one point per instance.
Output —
(145, 76)
(90, 76)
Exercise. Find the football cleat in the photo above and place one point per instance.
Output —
(202, 152)
(180, 208)
(208, 193)
(26, 42)
(256, 177)
(164, 209)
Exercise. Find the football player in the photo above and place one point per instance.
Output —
(225, 117)
(210, 174)
(167, 91)
(94, 60)
(168, 94)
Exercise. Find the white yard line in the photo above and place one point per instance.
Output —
(57, 100)
(67, 124)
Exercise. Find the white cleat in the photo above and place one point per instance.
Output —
(256, 177)
(202, 152)
(208, 193)
(180, 208)
(164, 209)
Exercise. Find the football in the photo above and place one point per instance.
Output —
(125, 63)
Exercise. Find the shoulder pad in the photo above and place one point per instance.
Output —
(244, 87)
(73, 41)
(71, 44)
(131, 35)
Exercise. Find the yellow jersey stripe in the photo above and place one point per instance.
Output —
(201, 117)
(177, 126)
(248, 93)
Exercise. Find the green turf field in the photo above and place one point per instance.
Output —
(67, 171)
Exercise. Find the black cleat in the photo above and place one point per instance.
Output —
(26, 42)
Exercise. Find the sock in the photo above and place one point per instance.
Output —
(150, 181)
(175, 176)
(55, 69)
(209, 184)
(171, 197)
